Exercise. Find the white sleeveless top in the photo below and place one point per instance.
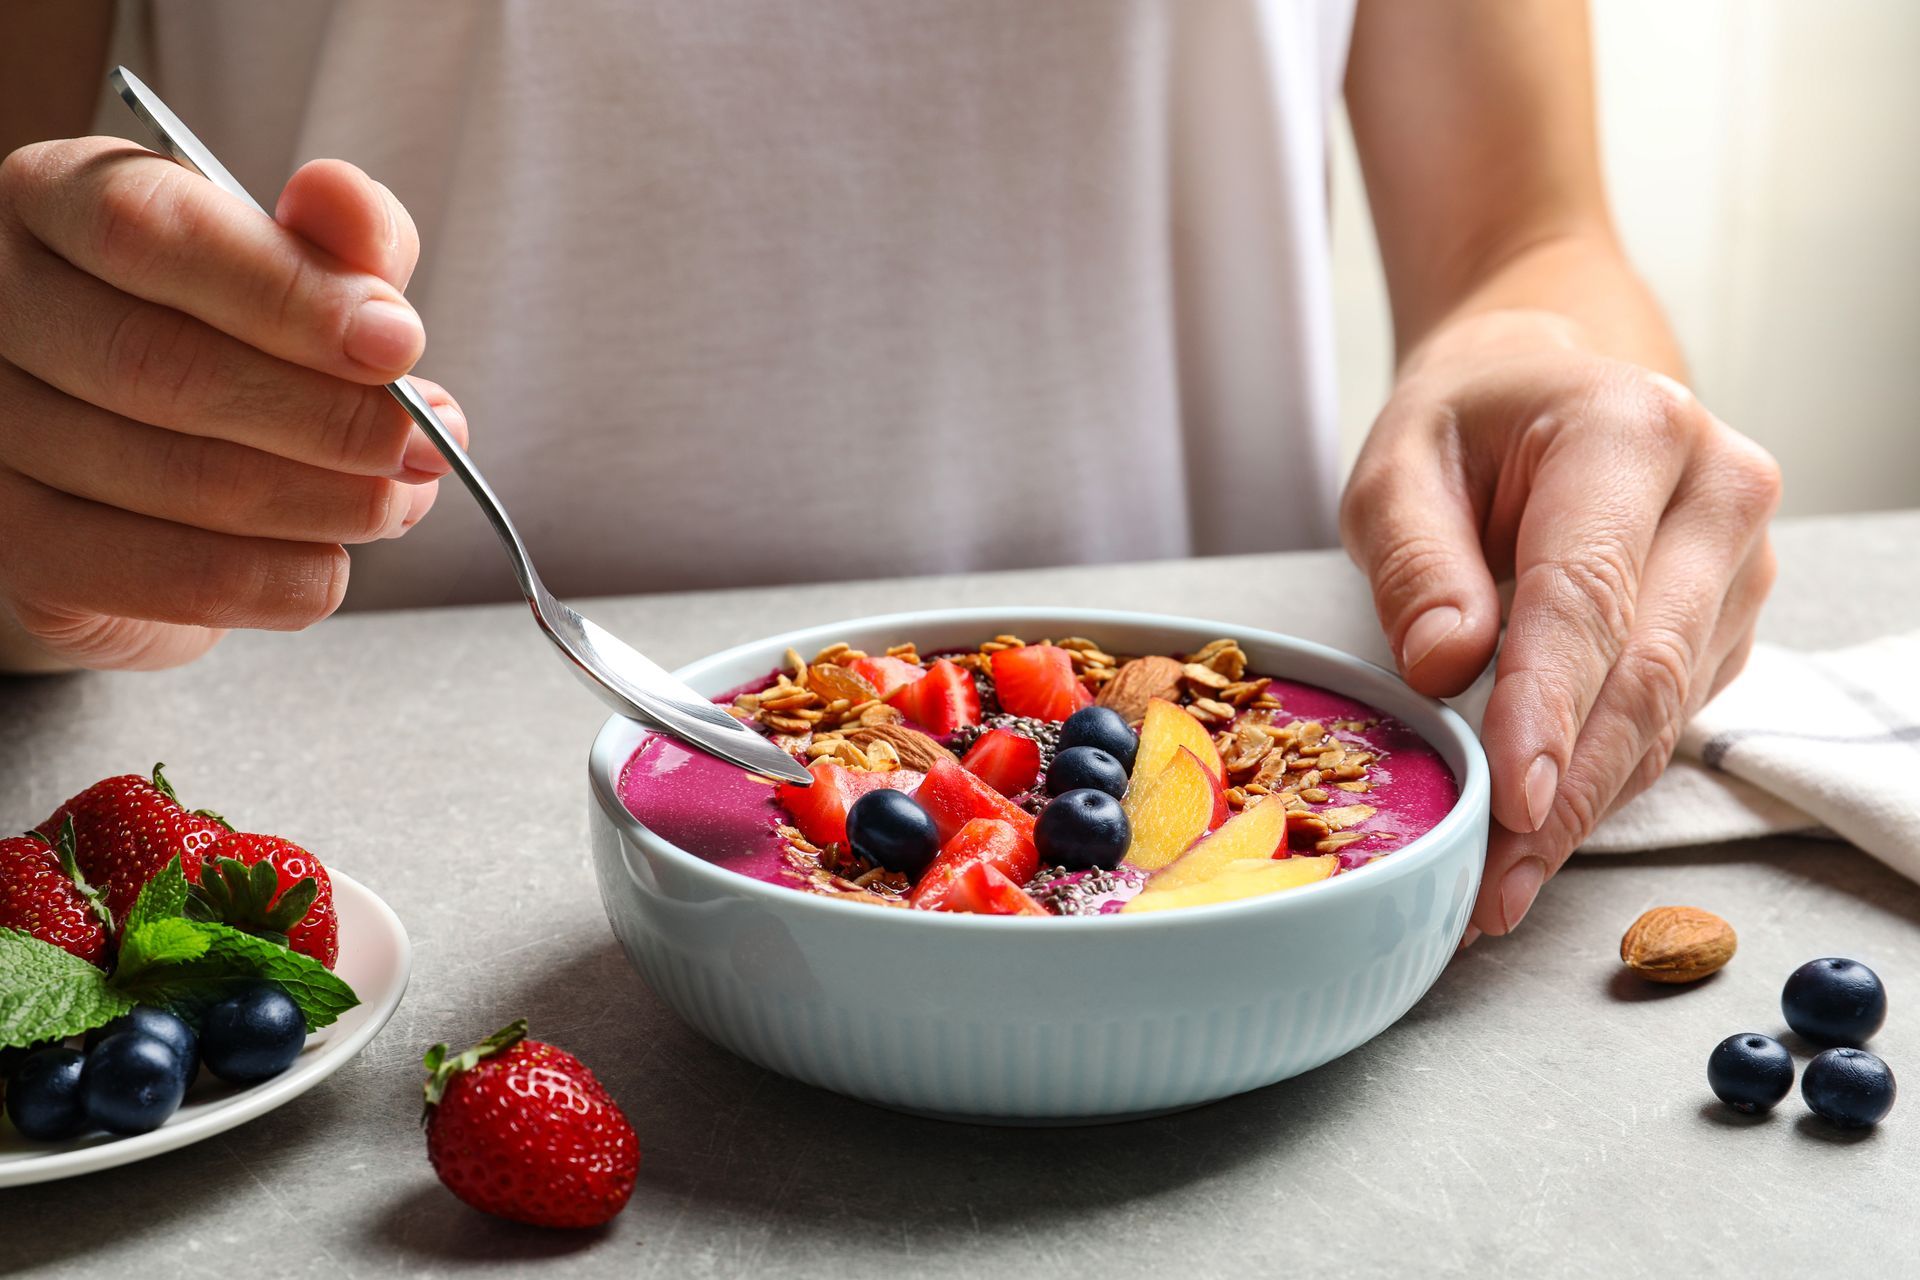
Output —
(760, 291)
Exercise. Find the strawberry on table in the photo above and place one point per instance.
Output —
(942, 700)
(43, 894)
(523, 1130)
(948, 883)
(1008, 762)
(1037, 680)
(293, 904)
(954, 796)
(819, 812)
(126, 829)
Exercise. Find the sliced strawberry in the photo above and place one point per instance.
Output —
(985, 889)
(820, 811)
(999, 845)
(941, 701)
(1037, 680)
(1008, 762)
(888, 675)
(955, 797)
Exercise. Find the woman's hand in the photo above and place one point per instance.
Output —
(192, 419)
(1632, 524)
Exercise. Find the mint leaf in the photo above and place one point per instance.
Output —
(50, 994)
(231, 961)
(163, 897)
(157, 943)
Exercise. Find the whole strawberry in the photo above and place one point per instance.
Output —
(42, 893)
(522, 1130)
(269, 886)
(127, 829)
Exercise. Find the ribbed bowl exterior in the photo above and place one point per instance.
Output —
(1022, 1021)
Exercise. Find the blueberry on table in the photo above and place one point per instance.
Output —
(1834, 1001)
(889, 829)
(43, 1094)
(1848, 1087)
(1750, 1072)
(132, 1083)
(1081, 830)
(158, 1023)
(1101, 727)
(1078, 767)
(253, 1035)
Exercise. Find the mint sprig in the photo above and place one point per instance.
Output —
(230, 962)
(49, 994)
(165, 959)
(162, 898)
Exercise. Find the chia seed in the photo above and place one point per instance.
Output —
(1082, 893)
(1044, 732)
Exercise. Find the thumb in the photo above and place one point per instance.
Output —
(334, 205)
(1408, 520)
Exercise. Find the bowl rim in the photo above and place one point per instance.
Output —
(1474, 801)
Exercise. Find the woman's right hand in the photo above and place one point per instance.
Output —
(193, 418)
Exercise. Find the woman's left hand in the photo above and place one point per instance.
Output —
(1632, 524)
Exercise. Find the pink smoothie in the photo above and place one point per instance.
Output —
(731, 819)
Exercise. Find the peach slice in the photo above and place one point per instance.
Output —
(1252, 833)
(1173, 810)
(1167, 729)
(1247, 878)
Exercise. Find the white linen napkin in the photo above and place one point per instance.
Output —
(1824, 743)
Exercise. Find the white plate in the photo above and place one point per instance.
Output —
(375, 957)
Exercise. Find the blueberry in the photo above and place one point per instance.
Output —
(159, 1024)
(1750, 1072)
(252, 1036)
(889, 829)
(1848, 1087)
(1083, 829)
(1834, 1001)
(1101, 727)
(43, 1094)
(1078, 767)
(132, 1083)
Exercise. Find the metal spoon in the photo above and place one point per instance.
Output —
(630, 683)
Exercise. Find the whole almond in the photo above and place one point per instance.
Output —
(915, 749)
(1677, 944)
(1139, 682)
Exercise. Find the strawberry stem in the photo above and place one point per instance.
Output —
(442, 1067)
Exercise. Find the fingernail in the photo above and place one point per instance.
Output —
(1543, 779)
(384, 335)
(1426, 634)
(1519, 889)
(1471, 936)
(422, 454)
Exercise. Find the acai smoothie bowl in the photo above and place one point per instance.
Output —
(1053, 866)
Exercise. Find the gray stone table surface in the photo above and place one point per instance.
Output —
(1535, 1114)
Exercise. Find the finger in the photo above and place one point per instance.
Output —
(150, 228)
(334, 205)
(1661, 678)
(1730, 668)
(103, 643)
(90, 558)
(1734, 634)
(215, 485)
(1594, 499)
(1408, 521)
(160, 366)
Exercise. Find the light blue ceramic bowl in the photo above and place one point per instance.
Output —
(1018, 1021)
